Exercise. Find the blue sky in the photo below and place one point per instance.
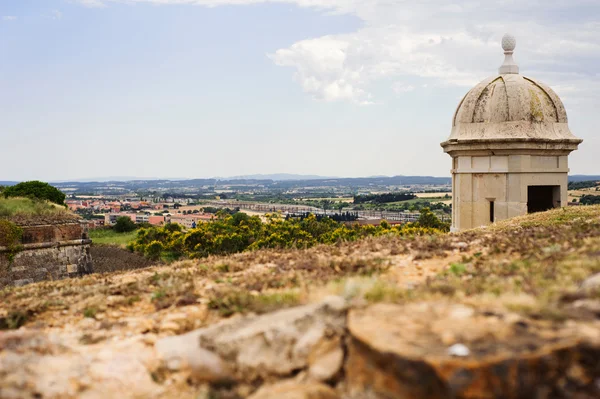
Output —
(201, 88)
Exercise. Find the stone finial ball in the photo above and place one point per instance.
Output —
(509, 42)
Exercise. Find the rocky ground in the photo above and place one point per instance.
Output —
(510, 311)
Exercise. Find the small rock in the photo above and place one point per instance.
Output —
(459, 350)
(87, 323)
(590, 305)
(141, 326)
(591, 284)
(293, 390)
(460, 245)
(447, 337)
(169, 327)
(461, 312)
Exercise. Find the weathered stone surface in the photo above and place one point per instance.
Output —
(36, 365)
(293, 390)
(398, 351)
(281, 343)
(183, 353)
(326, 359)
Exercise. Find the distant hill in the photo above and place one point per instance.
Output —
(278, 177)
(584, 177)
(243, 182)
(275, 181)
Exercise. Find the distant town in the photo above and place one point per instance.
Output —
(189, 202)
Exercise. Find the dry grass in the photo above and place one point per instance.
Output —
(539, 259)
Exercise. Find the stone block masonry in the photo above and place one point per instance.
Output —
(47, 252)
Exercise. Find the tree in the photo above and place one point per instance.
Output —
(124, 225)
(428, 219)
(589, 199)
(35, 190)
(326, 204)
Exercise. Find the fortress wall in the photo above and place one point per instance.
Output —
(47, 252)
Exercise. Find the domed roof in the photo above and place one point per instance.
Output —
(510, 107)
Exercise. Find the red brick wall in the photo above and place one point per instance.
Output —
(52, 233)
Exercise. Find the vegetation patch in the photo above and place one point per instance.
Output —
(35, 190)
(234, 301)
(13, 321)
(112, 237)
(589, 199)
(578, 185)
(544, 260)
(10, 207)
(10, 238)
(541, 259)
(383, 198)
(229, 234)
(90, 312)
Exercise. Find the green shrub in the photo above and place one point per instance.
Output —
(14, 320)
(124, 224)
(589, 200)
(154, 250)
(228, 234)
(90, 312)
(428, 219)
(35, 190)
(10, 237)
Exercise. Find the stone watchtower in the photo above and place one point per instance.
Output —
(509, 146)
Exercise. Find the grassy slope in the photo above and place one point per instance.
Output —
(24, 206)
(24, 211)
(110, 237)
(530, 265)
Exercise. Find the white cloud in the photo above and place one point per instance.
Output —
(401, 87)
(91, 3)
(440, 42)
(9, 18)
(55, 14)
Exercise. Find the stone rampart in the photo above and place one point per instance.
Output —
(47, 252)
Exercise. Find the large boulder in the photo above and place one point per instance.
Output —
(267, 347)
(442, 350)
